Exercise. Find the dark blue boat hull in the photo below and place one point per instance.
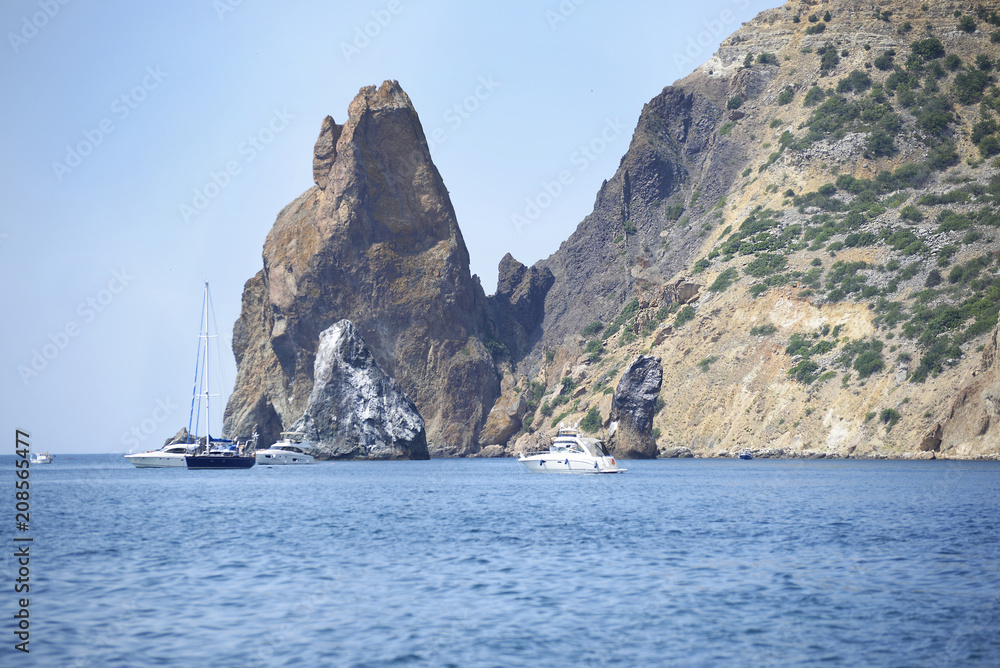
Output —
(219, 462)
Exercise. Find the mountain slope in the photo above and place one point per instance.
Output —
(829, 178)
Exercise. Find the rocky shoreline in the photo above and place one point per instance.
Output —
(779, 453)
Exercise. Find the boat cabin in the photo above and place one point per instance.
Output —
(570, 440)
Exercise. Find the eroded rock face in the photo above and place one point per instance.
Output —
(325, 152)
(632, 411)
(375, 242)
(619, 251)
(519, 303)
(504, 419)
(931, 440)
(355, 410)
(972, 427)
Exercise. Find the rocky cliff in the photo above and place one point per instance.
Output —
(804, 230)
(642, 229)
(633, 408)
(375, 242)
(356, 411)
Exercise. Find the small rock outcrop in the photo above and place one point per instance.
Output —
(676, 452)
(355, 410)
(504, 419)
(932, 440)
(527, 444)
(491, 451)
(181, 436)
(681, 292)
(632, 411)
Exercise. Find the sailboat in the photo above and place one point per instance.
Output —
(180, 454)
(218, 453)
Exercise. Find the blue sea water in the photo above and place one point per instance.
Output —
(474, 563)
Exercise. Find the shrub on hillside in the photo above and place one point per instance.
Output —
(592, 421)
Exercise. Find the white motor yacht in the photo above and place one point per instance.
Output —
(571, 452)
(289, 450)
(40, 458)
(174, 454)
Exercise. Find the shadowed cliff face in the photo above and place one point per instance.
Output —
(375, 242)
(635, 240)
(633, 408)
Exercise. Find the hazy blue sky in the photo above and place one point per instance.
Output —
(148, 147)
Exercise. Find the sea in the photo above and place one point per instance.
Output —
(696, 562)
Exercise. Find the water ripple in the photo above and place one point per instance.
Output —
(470, 563)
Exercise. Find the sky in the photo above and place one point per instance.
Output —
(148, 148)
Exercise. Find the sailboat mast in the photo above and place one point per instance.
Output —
(195, 412)
(208, 385)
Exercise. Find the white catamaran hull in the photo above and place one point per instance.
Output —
(157, 460)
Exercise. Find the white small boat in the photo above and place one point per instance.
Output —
(571, 452)
(40, 458)
(287, 451)
(174, 454)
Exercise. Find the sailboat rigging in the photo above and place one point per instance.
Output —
(217, 453)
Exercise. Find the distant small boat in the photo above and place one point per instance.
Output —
(571, 452)
(745, 454)
(287, 451)
(40, 458)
